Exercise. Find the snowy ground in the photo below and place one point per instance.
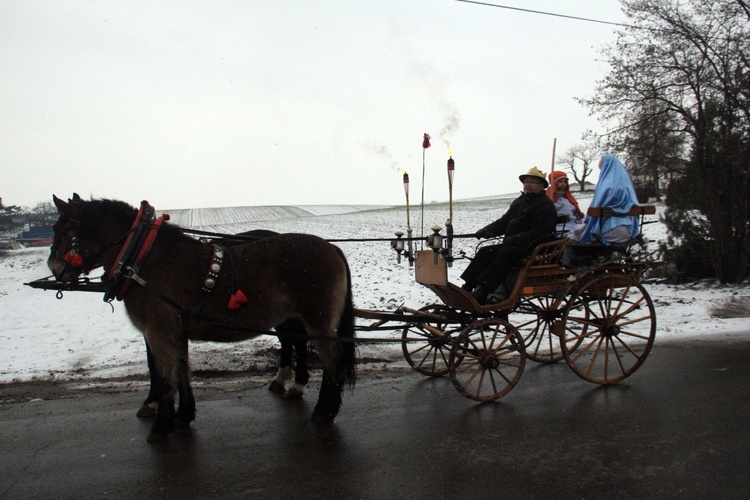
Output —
(81, 337)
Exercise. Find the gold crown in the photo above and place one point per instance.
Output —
(535, 172)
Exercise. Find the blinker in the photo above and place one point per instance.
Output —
(73, 258)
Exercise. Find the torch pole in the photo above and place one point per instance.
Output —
(451, 169)
(554, 145)
(449, 223)
(408, 220)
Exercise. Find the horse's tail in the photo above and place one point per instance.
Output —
(347, 367)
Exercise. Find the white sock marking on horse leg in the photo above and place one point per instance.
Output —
(282, 376)
(295, 391)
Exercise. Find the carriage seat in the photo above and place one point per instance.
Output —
(538, 274)
(587, 253)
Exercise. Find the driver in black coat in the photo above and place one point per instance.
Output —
(529, 221)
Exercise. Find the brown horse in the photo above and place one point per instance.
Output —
(176, 288)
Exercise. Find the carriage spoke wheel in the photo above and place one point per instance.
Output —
(487, 359)
(427, 345)
(539, 321)
(608, 329)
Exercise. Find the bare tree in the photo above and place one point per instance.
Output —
(580, 159)
(688, 62)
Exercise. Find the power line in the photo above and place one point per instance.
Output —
(545, 13)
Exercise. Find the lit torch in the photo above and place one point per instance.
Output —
(449, 223)
(406, 191)
(451, 170)
(408, 221)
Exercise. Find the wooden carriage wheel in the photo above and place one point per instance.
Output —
(539, 321)
(487, 359)
(429, 356)
(609, 327)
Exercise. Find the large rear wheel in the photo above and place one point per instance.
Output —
(487, 359)
(608, 329)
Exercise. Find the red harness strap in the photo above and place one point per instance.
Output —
(143, 252)
(134, 251)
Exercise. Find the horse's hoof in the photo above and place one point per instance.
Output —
(275, 386)
(323, 419)
(182, 429)
(294, 392)
(146, 411)
(156, 437)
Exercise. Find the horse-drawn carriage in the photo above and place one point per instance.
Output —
(595, 314)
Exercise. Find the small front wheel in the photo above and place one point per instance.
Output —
(538, 321)
(426, 344)
(487, 359)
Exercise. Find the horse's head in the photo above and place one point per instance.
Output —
(84, 232)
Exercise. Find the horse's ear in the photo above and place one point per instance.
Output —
(61, 205)
(76, 197)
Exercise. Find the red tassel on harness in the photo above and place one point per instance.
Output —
(237, 300)
(74, 260)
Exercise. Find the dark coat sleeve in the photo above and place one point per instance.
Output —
(541, 225)
(528, 220)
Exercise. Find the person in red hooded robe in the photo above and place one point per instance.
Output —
(565, 203)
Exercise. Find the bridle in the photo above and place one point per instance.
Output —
(74, 259)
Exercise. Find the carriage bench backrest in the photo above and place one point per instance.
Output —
(546, 254)
(583, 254)
(638, 211)
(541, 270)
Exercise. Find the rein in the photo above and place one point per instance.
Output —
(238, 237)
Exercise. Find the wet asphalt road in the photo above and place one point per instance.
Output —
(679, 427)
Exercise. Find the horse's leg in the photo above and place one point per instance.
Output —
(301, 375)
(329, 401)
(186, 409)
(171, 361)
(285, 366)
(339, 359)
(164, 422)
(148, 408)
(329, 397)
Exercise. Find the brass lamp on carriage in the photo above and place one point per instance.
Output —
(435, 241)
(398, 245)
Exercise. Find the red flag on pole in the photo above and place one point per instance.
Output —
(426, 141)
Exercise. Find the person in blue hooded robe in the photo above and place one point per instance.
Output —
(615, 191)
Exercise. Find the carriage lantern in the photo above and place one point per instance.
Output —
(435, 241)
(398, 244)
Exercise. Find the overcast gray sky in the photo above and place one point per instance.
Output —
(278, 102)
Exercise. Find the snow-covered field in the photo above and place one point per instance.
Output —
(81, 337)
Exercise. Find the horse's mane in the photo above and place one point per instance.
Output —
(124, 214)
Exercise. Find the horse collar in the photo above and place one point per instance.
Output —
(134, 251)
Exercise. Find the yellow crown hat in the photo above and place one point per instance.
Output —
(535, 172)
